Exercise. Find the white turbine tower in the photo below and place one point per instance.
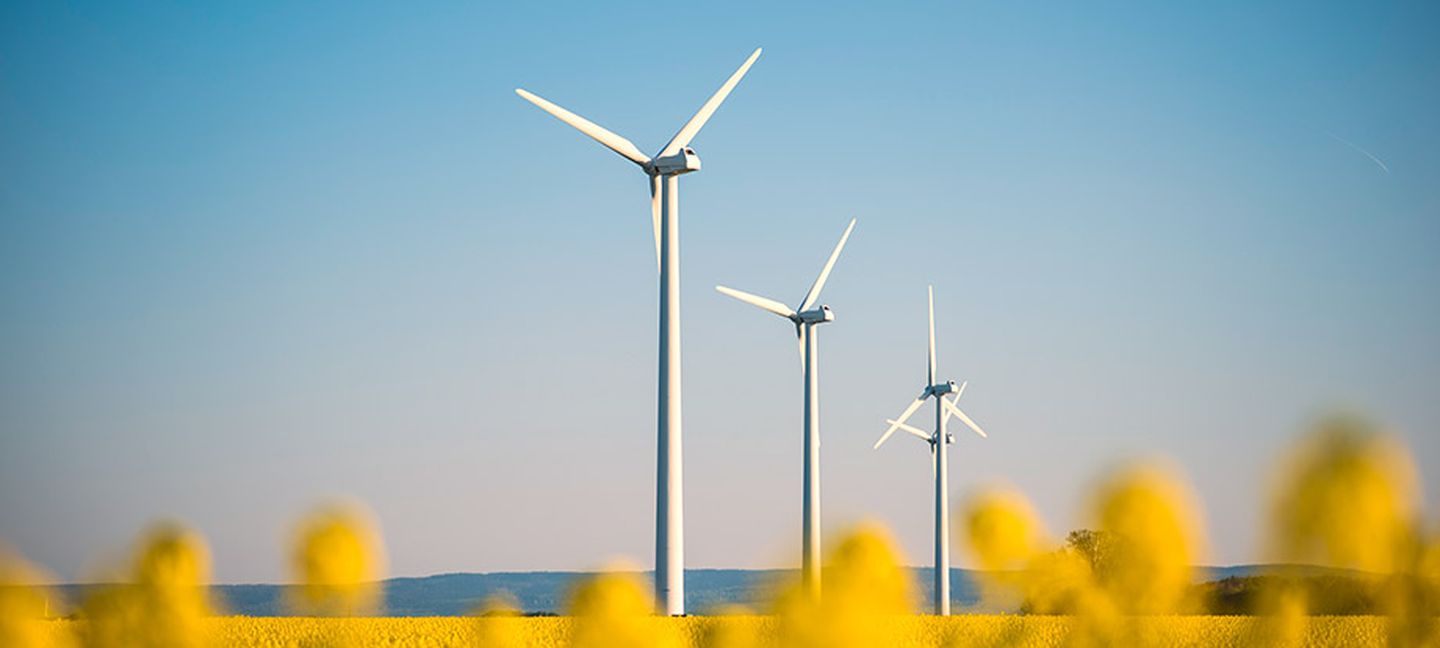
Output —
(665, 169)
(938, 440)
(806, 317)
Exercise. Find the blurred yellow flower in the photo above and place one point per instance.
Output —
(1345, 498)
(164, 603)
(1003, 531)
(1153, 518)
(863, 590)
(614, 609)
(1348, 496)
(337, 562)
(499, 622)
(24, 602)
(1006, 538)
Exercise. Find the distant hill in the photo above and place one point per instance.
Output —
(706, 590)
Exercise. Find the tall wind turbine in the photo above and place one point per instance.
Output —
(664, 170)
(938, 441)
(806, 317)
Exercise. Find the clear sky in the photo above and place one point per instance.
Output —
(255, 255)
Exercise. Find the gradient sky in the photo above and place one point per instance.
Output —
(256, 255)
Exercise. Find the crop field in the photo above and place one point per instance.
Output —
(703, 632)
(1347, 502)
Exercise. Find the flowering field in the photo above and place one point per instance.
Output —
(698, 632)
(1346, 497)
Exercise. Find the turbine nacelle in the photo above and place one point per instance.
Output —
(815, 316)
(947, 387)
(683, 161)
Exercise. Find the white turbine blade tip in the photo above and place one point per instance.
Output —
(884, 437)
(964, 419)
(900, 420)
(534, 98)
(896, 423)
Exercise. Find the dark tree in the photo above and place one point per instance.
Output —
(1099, 548)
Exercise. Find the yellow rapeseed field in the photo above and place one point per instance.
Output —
(717, 632)
(1347, 497)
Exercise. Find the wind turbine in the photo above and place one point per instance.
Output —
(664, 170)
(806, 317)
(944, 409)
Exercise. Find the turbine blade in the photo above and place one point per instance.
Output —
(899, 421)
(905, 427)
(800, 341)
(689, 130)
(934, 464)
(930, 365)
(949, 406)
(955, 401)
(596, 132)
(756, 300)
(814, 294)
(655, 215)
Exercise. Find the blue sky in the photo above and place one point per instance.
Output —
(257, 255)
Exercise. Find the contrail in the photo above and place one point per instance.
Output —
(1366, 153)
